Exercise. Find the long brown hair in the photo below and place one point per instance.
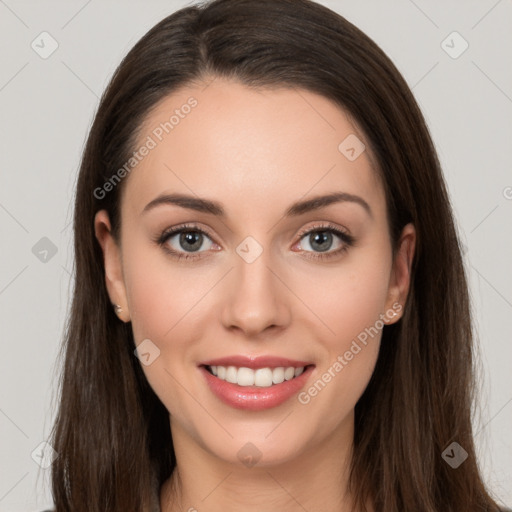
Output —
(112, 433)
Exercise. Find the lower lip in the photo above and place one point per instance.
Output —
(255, 398)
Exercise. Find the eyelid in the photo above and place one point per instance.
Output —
(187, 226)
(327, 226)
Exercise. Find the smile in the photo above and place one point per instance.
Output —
(260, 377)
(256, 386)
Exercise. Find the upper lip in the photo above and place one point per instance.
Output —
(255, 362)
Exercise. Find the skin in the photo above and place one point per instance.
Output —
(256, 152)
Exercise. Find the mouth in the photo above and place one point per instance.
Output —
(255, 384)
(260, 377)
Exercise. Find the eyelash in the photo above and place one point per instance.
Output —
(348, 240)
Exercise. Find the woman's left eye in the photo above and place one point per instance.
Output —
(189, 239)
(320, 238)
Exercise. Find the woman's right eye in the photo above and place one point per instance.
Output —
(184, 241)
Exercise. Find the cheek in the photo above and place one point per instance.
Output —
(162, 294)
(355, 303)
(349, 298)
(168, 304)
(161, 298)
(350, 302)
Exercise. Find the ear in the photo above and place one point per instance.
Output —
(112, 262)
(400, 278)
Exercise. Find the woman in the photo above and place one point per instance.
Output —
(270, 308)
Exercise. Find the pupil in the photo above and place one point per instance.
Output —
(192, 237)
(324, 238)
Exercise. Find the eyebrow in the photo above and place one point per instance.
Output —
(215, 208)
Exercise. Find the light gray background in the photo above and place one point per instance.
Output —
(47, 106)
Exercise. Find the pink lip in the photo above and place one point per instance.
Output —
(255, 362)
(255, 398)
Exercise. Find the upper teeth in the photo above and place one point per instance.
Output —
(263, 377)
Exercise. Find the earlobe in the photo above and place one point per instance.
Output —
(112, 263)
(401, 272)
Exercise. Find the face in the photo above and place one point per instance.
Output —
(251, 277)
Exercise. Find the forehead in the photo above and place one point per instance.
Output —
(249, 147)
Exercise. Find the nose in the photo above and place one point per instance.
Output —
(257, 300)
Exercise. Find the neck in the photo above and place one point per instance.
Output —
(314, 480)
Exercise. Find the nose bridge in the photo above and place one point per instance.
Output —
(255, 299)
